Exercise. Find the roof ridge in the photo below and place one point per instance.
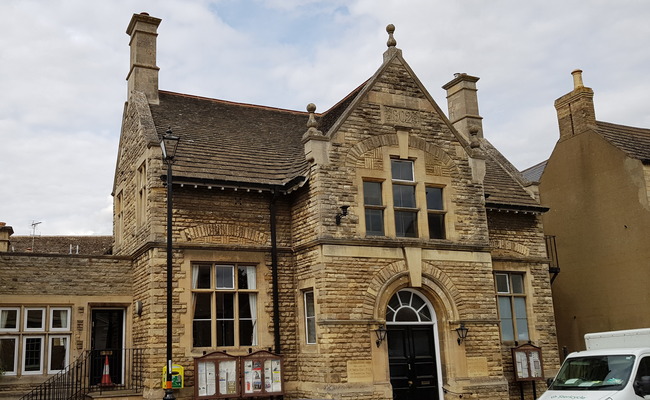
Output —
(236, 103)
(636, 128)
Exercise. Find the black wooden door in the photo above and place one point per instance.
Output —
(412, 361)
(107, 342)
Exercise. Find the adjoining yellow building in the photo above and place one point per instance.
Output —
(597, 186)
(383, 249)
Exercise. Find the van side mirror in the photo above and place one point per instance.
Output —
(642, 386)
(549, 382)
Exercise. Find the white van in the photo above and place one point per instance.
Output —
(606, 371)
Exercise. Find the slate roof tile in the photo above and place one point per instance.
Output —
(244, 143)
(234, 142)
(503, 182)
(635, 142)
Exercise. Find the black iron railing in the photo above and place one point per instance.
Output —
(94, 371)
(551, 251)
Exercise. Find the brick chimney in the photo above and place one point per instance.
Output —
(143, 72)
(575, 110)
(462, 102)
(5, 234)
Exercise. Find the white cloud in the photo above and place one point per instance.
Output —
(63, 65)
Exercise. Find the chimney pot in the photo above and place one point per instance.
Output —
(577, 78)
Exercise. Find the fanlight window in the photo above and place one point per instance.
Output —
(407, 306)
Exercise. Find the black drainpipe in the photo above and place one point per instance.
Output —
(274, 276)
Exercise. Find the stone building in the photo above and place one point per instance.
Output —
(597, 186)
(310, 234)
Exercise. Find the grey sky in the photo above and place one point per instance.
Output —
(63, 66)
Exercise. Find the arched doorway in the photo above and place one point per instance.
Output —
(412, 347)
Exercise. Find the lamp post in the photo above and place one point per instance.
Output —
(168, 145)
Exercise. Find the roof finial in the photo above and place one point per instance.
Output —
(391, 40)
(311, 123)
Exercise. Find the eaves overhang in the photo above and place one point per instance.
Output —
(222, 184)
(515, 208)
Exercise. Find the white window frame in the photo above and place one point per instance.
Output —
(309, 317)
(50, 347)
(51, 322)
(23, 358)
(25, 319)
(16, 339)
(17, 310)
(232, 288)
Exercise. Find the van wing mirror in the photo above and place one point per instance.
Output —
(642, 386)
(549, 382)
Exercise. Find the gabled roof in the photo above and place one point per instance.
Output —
(244, 145)
(504, 185)
(635, 142)
(232, 142)
(534, 174)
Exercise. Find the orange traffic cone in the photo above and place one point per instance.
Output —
(106, 377)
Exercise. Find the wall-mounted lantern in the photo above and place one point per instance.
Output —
(343, 213)
(381, 334)
(462, 331)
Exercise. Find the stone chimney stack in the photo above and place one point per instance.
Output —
(5, 234)
(462, 101)
(143, 72)
(575, 110)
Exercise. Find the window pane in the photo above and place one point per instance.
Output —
(9, 319)
(522, 329)
(225, 278)
(374, 222)
(246, 334)
(246, 277)
(310, 318)
(404, 196)
(35, 319)
(245, 306)
(517, 283)
(201, 277)
(202, 308)
(522, 320)
(225, 306)
(32, 354)
(201, 334)
(424, 314)
(59, 319)
(372, 193)
(436, 226)
(311, 330)
(405, 297)
(8, 355)
(405, 223)
(406, 314)
(505, 313)
(58, 353)
(502, 283)
(309, 304)
(226, 333)
(434, 198)
(402, 170)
